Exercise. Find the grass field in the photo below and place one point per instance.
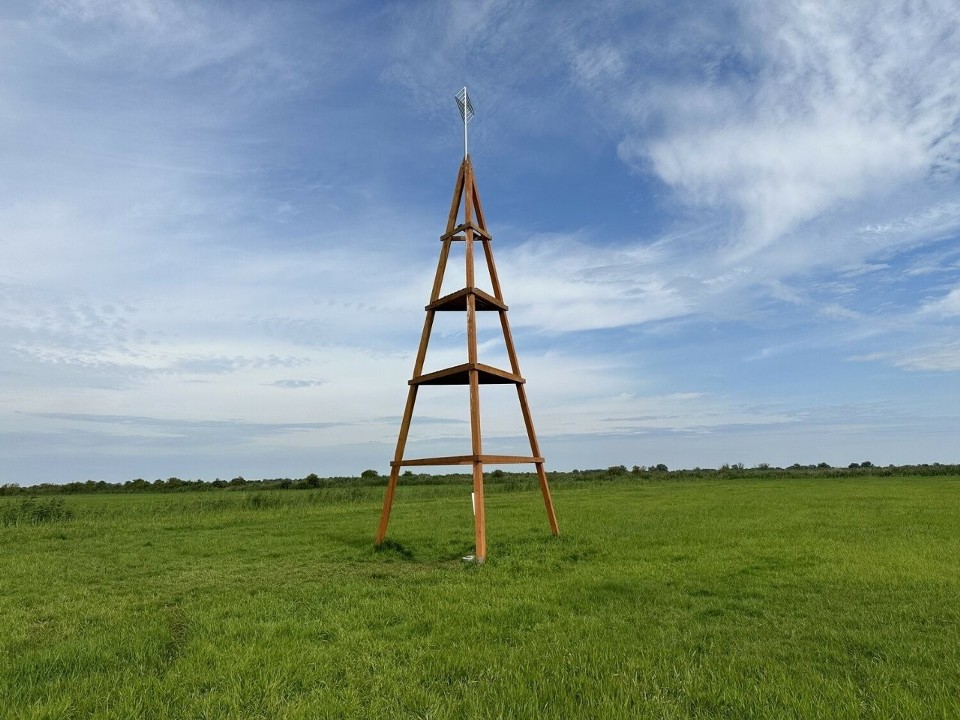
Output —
(661, 599)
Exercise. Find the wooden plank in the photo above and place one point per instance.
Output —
(468, 181)
(441, 271)
(476, 437)
(457, 194)
(492, 271)
(457, 301)
(468, 460)
(495, 375)
(472, 331)
(387, 506)
(528, 420)
(424, 342)
(405, 422)
(477, 205)
(397, 455)
(547, 500)
(480, 514)
(508, 341)
(449, 460)
(433, 377)
(509, 459)
(458, 375)
(468, 261)
(477, 230)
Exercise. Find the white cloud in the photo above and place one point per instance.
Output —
(835, 311)
(947, 306)
(849, 101)
(938, 358)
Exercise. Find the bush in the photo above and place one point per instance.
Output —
(33, 511)
(261, 501)
(369, 474)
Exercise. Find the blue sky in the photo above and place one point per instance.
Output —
(727, 232)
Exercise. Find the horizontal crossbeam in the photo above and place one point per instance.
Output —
(466, 226)
(470, 460)
(458, 301)
(460, 375)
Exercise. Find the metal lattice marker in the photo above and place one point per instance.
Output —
(471, 300)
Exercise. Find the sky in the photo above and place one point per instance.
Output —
(727, 232)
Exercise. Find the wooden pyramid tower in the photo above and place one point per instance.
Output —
(469, 300)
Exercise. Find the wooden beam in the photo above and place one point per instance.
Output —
(449, 460)
(457, 194)
(509, 459)
(441, 270)
(468, 460)
(492, 270)
(458, 375)
(387, 506)
(424, 342)
(547, 500)
(397, 455)
(466, 226)
(480, 514)
(458, 301)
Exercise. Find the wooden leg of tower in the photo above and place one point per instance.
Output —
(476, 438)
(547, 501)
(535, 450)
(480, 515)
(387, 505)
(477, 443)
(395, 469)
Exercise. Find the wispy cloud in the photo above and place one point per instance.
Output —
(842, 101)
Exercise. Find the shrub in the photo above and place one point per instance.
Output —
(33, 511)
(369, 474)
(261, 501)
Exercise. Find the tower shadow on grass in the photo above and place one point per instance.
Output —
(392, 548)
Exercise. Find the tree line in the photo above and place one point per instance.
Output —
(372, 478)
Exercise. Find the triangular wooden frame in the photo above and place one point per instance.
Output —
(470, 299)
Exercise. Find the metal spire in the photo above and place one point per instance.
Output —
(466, 112)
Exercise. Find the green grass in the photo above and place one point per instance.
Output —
(661, 599)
